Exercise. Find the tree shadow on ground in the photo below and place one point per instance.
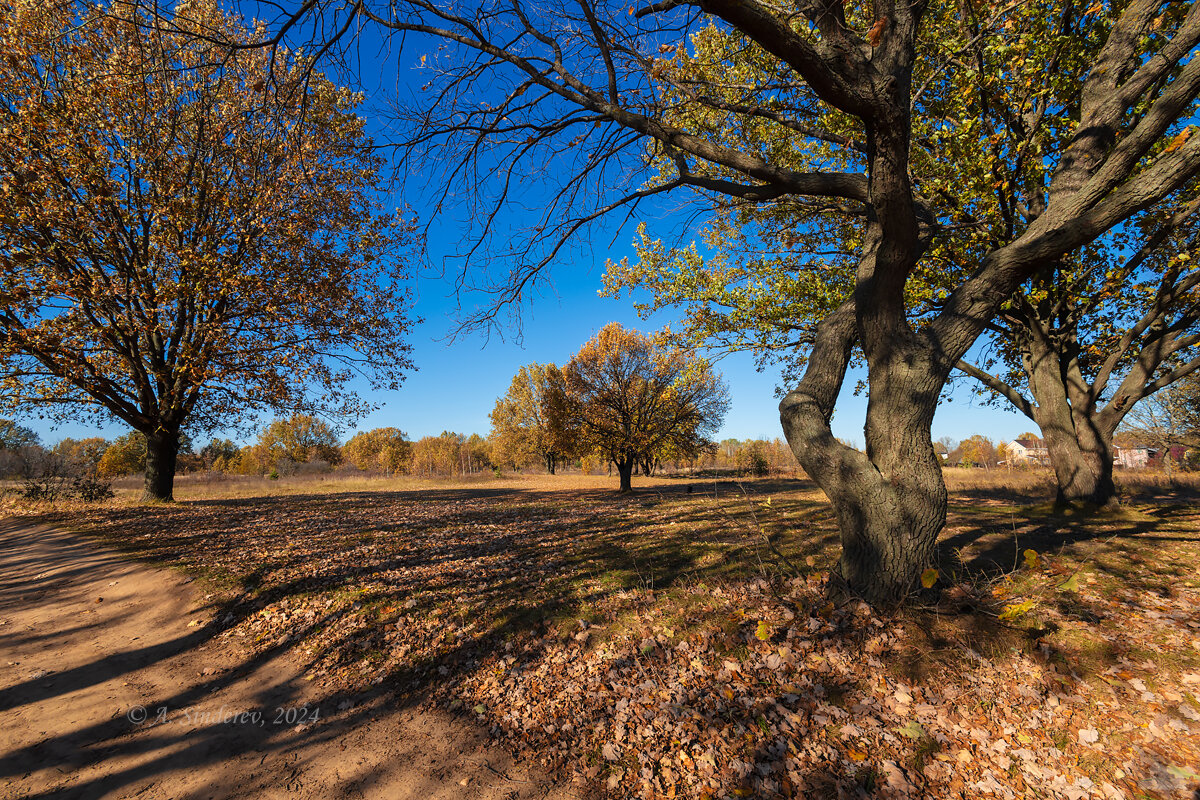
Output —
(1017, 545)
(459, 575)
(512, 562)
(143, 751)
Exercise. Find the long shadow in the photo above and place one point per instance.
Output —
(184, 748)
(517, 559)
(997, 545)
(511, 561)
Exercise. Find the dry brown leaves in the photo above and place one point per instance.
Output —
(593, 636)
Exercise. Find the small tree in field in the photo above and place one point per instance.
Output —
(384, 449)
(632, 400)
(530, 422)
(299, 439)
(975, 451)
(176, 247)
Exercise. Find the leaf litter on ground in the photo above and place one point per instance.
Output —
(642, 649)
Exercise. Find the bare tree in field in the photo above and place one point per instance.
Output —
(583, 95)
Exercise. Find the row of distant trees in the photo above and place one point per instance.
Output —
(1167, 422)
(304, 444)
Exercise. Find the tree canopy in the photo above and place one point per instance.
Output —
(299, 439)
(178, 248)
(385, 449)
(531, 421)
(633, 400)
(1093, 332)
(14, 436)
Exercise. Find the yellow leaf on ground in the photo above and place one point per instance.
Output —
(1014, 611)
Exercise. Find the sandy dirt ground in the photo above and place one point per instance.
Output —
(112, 686)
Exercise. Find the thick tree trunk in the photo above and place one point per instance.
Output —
(890, 505)
(550, 463)
(625, 470)
(1078, 441)
(890, 501)
(1082, 459)
(162, 451)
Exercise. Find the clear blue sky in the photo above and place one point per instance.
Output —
(456, 383)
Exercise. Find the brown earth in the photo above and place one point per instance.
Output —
(111, 685)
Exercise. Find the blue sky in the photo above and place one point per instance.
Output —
(457, 382)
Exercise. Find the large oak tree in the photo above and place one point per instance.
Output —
(580, 85)
(530, 422)
(633, 401)
(1074, 348)
(188, 229)
(1090, 338)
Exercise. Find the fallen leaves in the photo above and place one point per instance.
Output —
(537, 617)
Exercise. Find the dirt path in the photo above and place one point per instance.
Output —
(92, 646)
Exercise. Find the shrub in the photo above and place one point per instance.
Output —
(92, 490)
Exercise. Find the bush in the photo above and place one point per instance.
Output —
(43, 488)
(49, 487)
(92, 490)
(753, 461)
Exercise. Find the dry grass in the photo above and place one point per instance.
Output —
(1016, 485)
(215, 486)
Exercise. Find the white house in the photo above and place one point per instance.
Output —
(1132, 457)
(1027, 451)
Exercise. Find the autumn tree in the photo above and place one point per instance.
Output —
(1088, 336)
(975, 451)
(385, 449)
(81, 456)
(178, 249)
(14, 436)
(20, 449)
(854, 119)
(125, 456)
(530, 422)
(299, 439)
(218, 454)
(450, 454)
(633, 400)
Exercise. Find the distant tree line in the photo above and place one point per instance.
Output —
(533, 428)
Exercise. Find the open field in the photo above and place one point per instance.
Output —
(676, 643)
